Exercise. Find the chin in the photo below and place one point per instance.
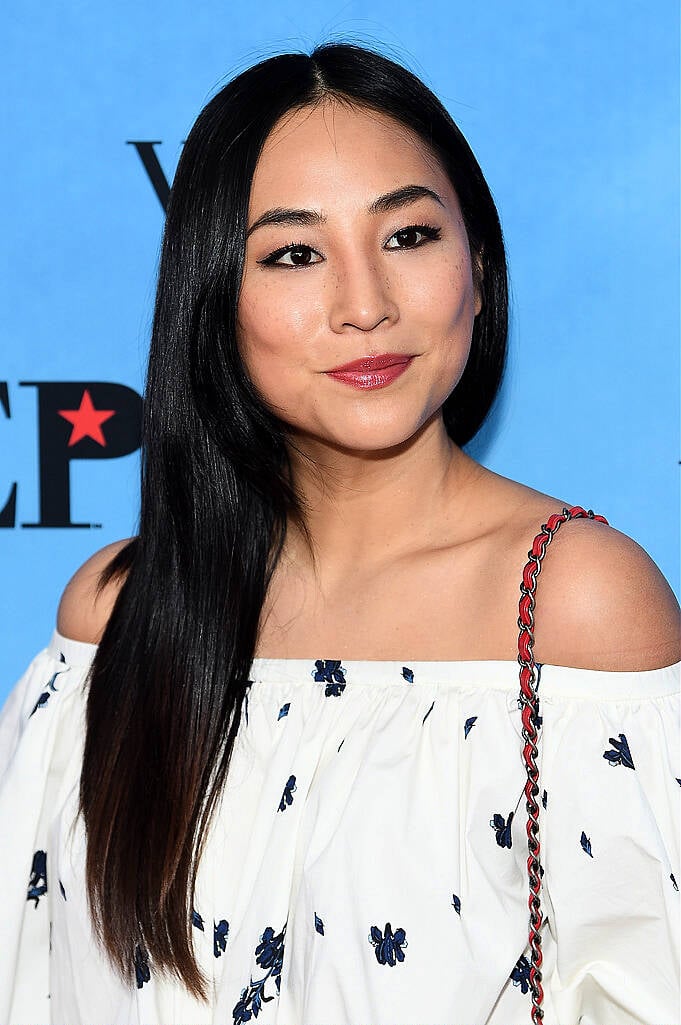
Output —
(373, 438)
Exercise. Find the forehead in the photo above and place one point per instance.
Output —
(334, 147)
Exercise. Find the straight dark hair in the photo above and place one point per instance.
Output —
(172, 668)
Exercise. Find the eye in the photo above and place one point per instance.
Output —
(406, 235)
(298, 252)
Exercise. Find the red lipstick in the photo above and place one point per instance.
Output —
(367, 363)
(372, 371)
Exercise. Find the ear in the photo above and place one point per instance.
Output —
(478, 279)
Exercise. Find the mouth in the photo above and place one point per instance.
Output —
(367, 364)
(378, 377)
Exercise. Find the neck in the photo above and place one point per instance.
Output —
(365, 509)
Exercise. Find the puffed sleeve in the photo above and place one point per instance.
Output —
(610, 828)
(41, 726)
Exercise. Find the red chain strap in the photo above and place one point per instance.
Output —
(530, 702)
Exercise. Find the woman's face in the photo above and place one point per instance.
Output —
(328, 279)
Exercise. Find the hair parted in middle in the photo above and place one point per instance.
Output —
(172, 667)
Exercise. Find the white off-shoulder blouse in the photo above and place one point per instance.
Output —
(368, 861)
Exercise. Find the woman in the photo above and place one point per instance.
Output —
(271, 763)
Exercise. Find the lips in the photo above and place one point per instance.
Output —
(371, 379)
(366, 364)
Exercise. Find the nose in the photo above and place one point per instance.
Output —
(363, 296)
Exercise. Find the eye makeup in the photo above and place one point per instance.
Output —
(430, 232)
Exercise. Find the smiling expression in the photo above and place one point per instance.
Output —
(356, 247)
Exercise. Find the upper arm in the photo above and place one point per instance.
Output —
(84, 610)
(602, 603)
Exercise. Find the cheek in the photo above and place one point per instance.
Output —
(270, 340)
(460, 309)
(443, 285)
(443, 304)
(274, 320)
(447, 312)
(461, 292)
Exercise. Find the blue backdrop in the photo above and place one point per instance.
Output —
(573, 112)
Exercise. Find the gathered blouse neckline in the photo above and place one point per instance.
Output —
(494, 674)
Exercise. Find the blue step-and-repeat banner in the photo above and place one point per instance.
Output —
(573, 112)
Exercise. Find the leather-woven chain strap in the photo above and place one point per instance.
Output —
(530, 704)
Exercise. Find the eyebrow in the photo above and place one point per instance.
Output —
(394, 200)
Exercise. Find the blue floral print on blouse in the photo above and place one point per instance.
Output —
(50, 688)
(37, 884)
(468, 725)
(502, 828)
(269, 954)
(220, 934)
(331, 672)
(428, 713)
(41, 702)
(287, 796)
(388, 945)
(521, 974)
(585, 841)
(620, 753)
(142, 972)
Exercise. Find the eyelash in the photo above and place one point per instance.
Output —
(429, 230)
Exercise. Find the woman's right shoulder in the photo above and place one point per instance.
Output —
(84, 608)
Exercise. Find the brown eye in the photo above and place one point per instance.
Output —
(300, 256)
(408, 236)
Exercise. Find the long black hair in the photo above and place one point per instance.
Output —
(171, 670)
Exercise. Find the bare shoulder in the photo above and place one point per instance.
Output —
(84, 609)
(602, 603)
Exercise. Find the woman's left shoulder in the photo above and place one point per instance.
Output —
(603, 603)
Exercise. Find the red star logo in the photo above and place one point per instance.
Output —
(87, 420)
